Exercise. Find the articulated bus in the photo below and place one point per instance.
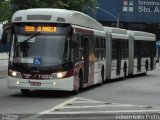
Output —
(55, 49)
(142, 52)
(117, 41)
(129, 53)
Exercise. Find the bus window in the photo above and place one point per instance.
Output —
(74, 48)
(80, 47)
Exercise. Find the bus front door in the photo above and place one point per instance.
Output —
(86, 60)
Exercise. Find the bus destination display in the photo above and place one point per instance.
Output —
(49, 29)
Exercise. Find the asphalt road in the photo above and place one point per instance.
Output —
(136, 91)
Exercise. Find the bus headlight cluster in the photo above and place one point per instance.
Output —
(15, 74)
(59, 75)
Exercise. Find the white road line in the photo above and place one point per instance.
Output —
(86, 102)
(73, 100)
(83, 118)
(108, 112)
(52, 109)
(118, 104)
(84, 99)
(96, 106)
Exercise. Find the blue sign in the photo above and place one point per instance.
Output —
(129, 10)
(37, 60)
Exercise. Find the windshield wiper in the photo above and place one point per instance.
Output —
(26, 40)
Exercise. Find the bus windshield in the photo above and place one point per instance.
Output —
(40, 49)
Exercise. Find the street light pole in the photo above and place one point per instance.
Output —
(117, 18)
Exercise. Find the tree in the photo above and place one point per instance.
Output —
(8, 7)
(79, 5)
(4, 10)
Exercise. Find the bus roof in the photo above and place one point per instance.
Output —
(116, 32)
(47, 15)
(139, 35)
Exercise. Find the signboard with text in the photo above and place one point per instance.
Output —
(130, 10)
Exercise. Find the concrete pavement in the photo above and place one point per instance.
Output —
(3, 65)
(3, 61)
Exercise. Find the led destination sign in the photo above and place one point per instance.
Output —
(49, 29)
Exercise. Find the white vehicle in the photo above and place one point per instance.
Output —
(129, 52)
(117, 50)
(142, 52)
(55, 49)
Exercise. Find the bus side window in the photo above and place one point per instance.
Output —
(74, 48)
(97, 50)
(103, 49)
(80, 47)
(114, 50)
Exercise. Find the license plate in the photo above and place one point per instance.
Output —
(35, 83)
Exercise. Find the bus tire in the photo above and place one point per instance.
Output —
(25, 92)
(102, 74)
(146, 68)
(80, 79)
(75, 92)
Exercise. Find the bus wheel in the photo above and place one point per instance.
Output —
(25, 92)
(75, 92)
(80, 79)
(102, 74)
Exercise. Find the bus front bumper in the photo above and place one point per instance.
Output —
(66, 84)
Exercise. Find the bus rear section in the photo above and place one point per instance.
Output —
(142, 52)
(116, 53)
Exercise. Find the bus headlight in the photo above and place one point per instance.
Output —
(59, 75)
(15, 74)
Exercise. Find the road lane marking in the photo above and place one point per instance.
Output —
(108, 112)
(85, 99)
(84, 102)
(96, 106)
(68, 104)
(57, 107)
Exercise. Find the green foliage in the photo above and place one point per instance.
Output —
(4, 10)
(79, 5)
(11, 6)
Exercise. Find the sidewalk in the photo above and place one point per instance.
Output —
(3, 61)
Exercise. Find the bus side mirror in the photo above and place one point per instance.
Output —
(6, 34)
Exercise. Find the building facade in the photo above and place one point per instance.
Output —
(141, 15)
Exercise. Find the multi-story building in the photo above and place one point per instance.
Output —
(143, 15)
